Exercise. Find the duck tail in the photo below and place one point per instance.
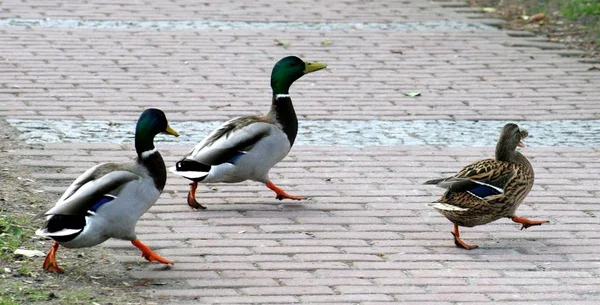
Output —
(445, 206)
(190, 169)
(434, 181)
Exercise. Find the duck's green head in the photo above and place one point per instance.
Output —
(289, 69)
(151, 122)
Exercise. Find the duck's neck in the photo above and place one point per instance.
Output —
(150, 158)
(512, 156)
(505, 154)
(520, 159)
(282, 112)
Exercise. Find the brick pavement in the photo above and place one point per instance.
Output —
(365, 235)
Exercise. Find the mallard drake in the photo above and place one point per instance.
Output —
(107, 200)
(489, 189)
(246, 148)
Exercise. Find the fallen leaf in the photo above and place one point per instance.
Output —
(217, 107)
(594, 68)
(537, 18)
(524, 17)
(326, 42)
(489, 9)
(396, 52)
(412, 94)
(29, 253)
(142, 283)
(282, 43)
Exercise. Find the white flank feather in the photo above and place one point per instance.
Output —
(187, 174)
(64, 232)
(445, 206)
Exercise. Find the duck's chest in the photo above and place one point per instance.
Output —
(267, 152)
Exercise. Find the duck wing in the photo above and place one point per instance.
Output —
(483, 180)
(225, 143)
(97, 185)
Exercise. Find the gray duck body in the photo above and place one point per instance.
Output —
(75, 222)
(244, 148)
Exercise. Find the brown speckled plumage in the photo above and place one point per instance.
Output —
(515, 178)
(489, 189)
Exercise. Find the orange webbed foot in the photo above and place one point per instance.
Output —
(459, 242)
(191, 197)
(526, 223)
(50, 264)
(150, 255)
(281, 194)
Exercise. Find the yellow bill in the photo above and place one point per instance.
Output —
(171, 131)
(313, 66)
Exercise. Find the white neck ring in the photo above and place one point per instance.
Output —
(148, 153)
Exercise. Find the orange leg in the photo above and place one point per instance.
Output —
(526, 223)
(459, 243)
(191, 198)
(148, 254)
(281, 194)
(50, 264)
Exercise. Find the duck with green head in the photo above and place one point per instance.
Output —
(246, 148)
(489, 189)
(108, 199)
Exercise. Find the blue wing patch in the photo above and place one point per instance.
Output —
(233, 159)
(105, 199)
(483, 191)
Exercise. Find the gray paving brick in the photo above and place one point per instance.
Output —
(299, 290)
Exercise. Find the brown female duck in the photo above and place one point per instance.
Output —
(489, 189)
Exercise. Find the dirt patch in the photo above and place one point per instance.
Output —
(575, 23)
(90, 277)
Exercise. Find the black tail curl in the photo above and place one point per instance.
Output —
(187, 165)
